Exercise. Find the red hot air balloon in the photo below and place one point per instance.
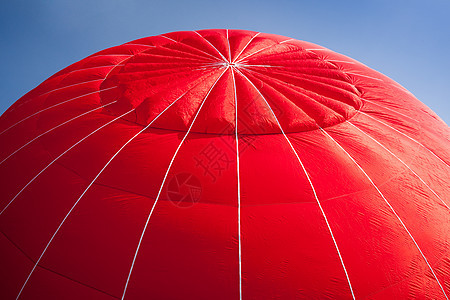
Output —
(223, 164)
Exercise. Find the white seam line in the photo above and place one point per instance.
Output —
(194, 59)
(245, 47)
(166, 65)
(374, 103)
(206, 53)
(304, 77)
(59, 103)
(384, 147)
(168, 38)
(404, 134)
(90, 68)
(179, 53)
(238, 186)
(113, 66)
(311, 184)
(53, 161)
(67, 86)
(263, 66)
(355, 74)
(293, 89)
(51, 129)
(210, 55)
(341, 61)
(108, 55)
(262, 49)
(163, 182)
(285, 41)
(223, 57)
(256, 52)
(119, 64)
(89, 186)
(150, 46)
(68, 73)
(390, 206)
(97, 67)
(122, 54)
(229, 48)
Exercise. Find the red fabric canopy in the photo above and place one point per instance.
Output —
(223, 164)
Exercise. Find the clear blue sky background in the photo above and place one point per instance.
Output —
(407, 40)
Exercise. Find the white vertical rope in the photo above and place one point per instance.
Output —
(390, 206)
(53, 128)
(162, 185)
(238, 186)
(53, 106)
(262, 49)
(311, 185)
(404, 134)
(85, 191)
(245, 47)
(53, 161)
(400, 160)
(220, 53)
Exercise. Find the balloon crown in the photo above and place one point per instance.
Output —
(270, 78)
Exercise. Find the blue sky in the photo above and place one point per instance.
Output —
(407, 40)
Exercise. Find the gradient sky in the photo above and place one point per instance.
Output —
(407, 40)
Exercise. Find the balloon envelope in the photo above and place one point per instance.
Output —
(223, 164)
